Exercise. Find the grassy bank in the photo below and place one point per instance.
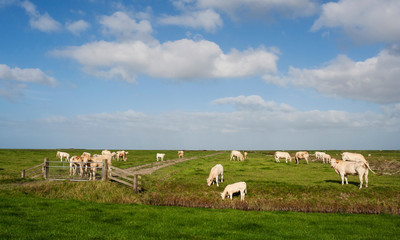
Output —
(271, 186)
(37, 209)
(28, 217)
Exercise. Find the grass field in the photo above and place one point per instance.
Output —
(113, 211)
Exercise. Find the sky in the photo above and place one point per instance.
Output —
(200, 74)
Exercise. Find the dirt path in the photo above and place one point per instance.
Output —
(152, 167)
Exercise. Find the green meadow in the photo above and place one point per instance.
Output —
(304, 201)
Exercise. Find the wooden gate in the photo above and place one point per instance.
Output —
(50, 169)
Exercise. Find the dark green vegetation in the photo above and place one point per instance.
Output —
(95, 209)
(28, 217)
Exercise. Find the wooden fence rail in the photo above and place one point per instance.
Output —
(108, 173)
(128, 178)
(36, 171)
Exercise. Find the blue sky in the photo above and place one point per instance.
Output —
(200, 74)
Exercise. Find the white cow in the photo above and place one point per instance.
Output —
(86, 154)
(160, 156)
(236, 154)
(355, 157)
(215, 172)
(344, 168)
(62, 155)
(319, 156)
(95, 162)
(284, 155)
(302, 155)
(245, 155)
(234, 188)
(105, 152)
(180, 154)
(326, 158)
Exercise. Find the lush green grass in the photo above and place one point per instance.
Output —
(107, 210)
(28, 217)
(271, 186)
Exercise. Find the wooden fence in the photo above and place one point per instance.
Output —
(35, 171)
(108, 173)
(127, 178)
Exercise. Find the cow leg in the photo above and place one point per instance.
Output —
(216, 179)
(345, 177)
(70, 169)
(342, 177)
(82, 168)
(360, 176)
(366, 178)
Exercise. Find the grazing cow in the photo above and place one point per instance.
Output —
(160, 156)
(234, 188)
(74, 162)
(319, 156)
(61, 155)
(344, 168)
(105, 152)
(238, 155)
(121, 155)
(215, 172)
(284, 155)
(302, 155)
(356, 157)
(180, 154)
(96, 162)
(245, 155)
(326, 158)
(86, 154)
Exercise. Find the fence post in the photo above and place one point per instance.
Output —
(23, 173)
(135, 177)
(46, 168)
(105, 170)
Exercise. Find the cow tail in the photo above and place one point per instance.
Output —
(366, 164)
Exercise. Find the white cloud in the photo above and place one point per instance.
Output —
(177, 60)
(262, 9)
(14, 80)
(249, 103)
(364, 21)
(122, 26)
(259, 129)
(27, 75)
(207, 19)
(376, 79)
(77, 27)
(43, 22)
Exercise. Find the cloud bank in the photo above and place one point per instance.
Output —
(184, 60)
(264, 127)
(14, 80)
(368, 21)
(375, 79)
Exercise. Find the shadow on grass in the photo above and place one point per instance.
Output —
(340, 182)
